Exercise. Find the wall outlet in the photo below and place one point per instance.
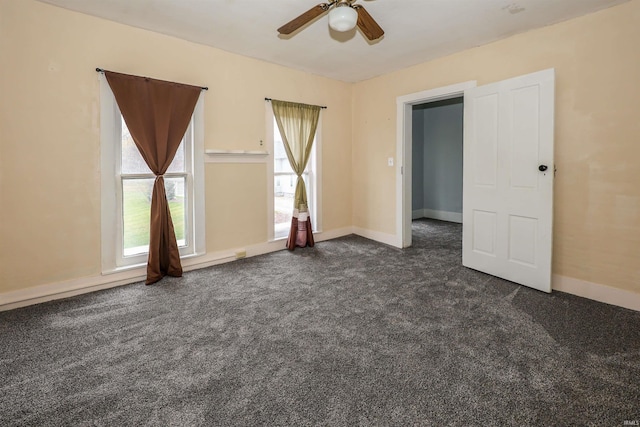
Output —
(241, 254)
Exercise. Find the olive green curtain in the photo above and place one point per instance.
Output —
(157, 114)
(297, 124)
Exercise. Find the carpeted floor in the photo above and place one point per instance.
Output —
(349, 333)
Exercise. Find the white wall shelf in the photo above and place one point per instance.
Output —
(235, 156)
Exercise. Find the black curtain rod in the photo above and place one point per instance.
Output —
(269, 99)
(100, 70)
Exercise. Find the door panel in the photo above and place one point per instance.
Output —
(484, 232)
(485, 159)
(522, 240)
(507, 200)
(524, 137)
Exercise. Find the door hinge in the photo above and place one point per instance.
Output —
(401, 170)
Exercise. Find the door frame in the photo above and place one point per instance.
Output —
(404, 146)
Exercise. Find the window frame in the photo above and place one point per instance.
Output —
(314, 173)
(112, 247)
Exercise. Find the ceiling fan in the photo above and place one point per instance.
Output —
(343, 16)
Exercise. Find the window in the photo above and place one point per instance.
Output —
(127, 183)
(284, 183)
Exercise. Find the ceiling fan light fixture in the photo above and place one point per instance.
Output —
(343, 17)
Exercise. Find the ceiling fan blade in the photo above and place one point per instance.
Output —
(367, 24)
(308, 16)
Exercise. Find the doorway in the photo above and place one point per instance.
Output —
(508, 175)
(404, 202)
(437, 137)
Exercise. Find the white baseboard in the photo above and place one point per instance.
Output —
(69, 288)
(332, 234)
(597, 292)
(83, 285)
(442, 215)
(418, 213)
(378, 236)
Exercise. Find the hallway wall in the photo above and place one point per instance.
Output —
(437, 160)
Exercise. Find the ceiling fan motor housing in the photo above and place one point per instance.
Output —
(343, 17)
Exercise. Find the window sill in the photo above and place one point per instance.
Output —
(283, 238)
(142, 265)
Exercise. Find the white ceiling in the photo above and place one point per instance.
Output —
(415, 30)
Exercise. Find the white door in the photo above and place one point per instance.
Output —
(508, 179)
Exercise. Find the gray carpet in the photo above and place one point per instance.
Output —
(367, 335)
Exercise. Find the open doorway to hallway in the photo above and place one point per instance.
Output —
(404, 146)
(507, 181)
(437, 152)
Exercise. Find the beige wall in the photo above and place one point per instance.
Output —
(50, 152)
(597, 188)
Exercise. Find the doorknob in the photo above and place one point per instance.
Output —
(542, 168)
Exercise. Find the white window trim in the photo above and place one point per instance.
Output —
(111, 228)
(314, 194)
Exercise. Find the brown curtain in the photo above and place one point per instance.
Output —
(297, 124)
(157, 114)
